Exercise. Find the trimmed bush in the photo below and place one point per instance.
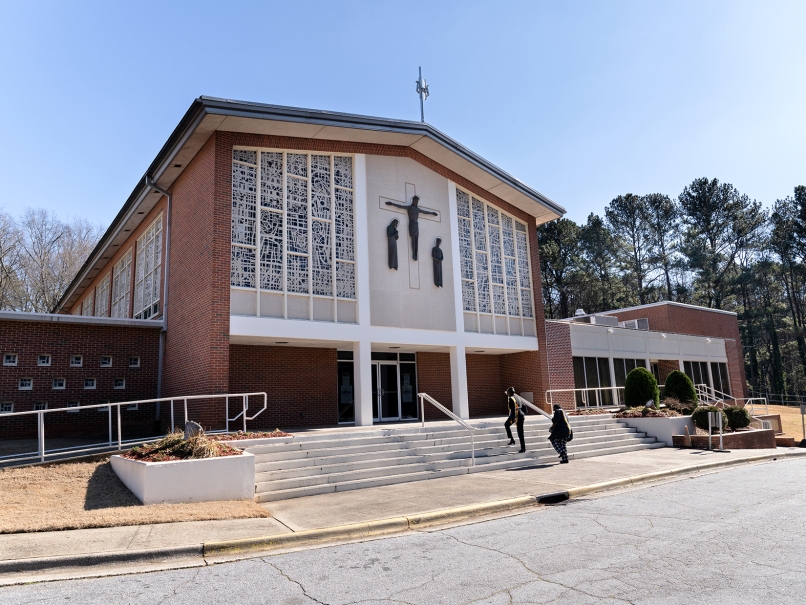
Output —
(700, 417)
(641, 387)
(738, 418)
(679, 386)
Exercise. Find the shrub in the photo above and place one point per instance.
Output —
(641, 387)
(684, 409)
(679, 386)
(700, 417)
(738, 418)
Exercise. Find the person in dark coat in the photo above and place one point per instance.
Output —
(515, 417)
(560, 431)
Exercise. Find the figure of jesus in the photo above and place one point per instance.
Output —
(414, 211)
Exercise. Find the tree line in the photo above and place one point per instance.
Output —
(711, 246)
(40, 255)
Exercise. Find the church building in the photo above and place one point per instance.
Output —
(342, 264)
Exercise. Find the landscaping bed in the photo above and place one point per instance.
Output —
(741, 440)
(79, 495)
(241, 436)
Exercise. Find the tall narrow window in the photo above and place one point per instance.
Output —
(87, 306)
(121, 286)
(102, 297)
(147, 271)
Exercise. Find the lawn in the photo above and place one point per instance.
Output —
(790, 419)
(88, 494)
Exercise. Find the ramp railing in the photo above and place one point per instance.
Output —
(426, 397)
(116, 439)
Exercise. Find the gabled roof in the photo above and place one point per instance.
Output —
(208, 114)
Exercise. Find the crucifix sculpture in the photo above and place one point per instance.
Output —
(414, 211)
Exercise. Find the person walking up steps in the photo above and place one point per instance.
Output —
(515, 417)
(560, 433)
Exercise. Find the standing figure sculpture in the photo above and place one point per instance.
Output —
(414, 211)
(436, 254)
(392, 237)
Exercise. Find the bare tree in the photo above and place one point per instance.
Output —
(10, 249)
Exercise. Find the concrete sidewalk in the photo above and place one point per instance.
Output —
(355, 507)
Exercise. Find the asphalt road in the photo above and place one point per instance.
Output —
(734, 537)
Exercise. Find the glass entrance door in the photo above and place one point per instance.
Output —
(386, 394)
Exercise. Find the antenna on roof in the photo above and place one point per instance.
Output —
(422, 90)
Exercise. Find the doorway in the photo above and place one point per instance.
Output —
(394, 387)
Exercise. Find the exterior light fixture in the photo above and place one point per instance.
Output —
(478, 351)
(609, 330)
(394, 347)
(281, 342)
(707, 340)
(663, 335)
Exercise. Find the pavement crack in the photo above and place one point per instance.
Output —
(180, 585)
(292, 580)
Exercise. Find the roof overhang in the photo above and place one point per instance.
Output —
(208, 115)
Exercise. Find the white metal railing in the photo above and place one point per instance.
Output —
(531, 405)
(426, 397)
(42, 453)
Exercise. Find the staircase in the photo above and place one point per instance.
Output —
(340, 460)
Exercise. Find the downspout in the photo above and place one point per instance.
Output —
(151, 184)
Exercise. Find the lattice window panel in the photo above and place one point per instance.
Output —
(271, 250)
(298, 235)
(87, 305)
(121, 286)
(148, 262)
(102, 297)
(271, 180)
(494, 260)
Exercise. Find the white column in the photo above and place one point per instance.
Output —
(362, 375)
(361, 240)
(459, 381)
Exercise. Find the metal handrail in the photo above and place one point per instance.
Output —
(523, 401)
(42, 453)
(425, 396)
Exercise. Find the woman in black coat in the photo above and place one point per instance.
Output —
(560, 432)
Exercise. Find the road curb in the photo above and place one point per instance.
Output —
(130, 556)
(370, 529)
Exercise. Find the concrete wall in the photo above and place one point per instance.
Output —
(408, 298)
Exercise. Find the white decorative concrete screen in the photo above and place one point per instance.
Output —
(292, 225)
(494, 251)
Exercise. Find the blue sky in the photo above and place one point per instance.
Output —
(580, 100)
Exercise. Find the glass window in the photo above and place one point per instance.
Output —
(89, 383)
(719, 372)
(593, 374)
(134, 362)
(76, 361)
(121, 285)
(147, 271)
(10, 359)
(43, 360)
(106, 361)
(88, 305)
(26, 384)
(6, 408)
(40, 405)
(408, 390)
(59, 383)
(346, 392)
(102, 297)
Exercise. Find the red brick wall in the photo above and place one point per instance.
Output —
(434, 378)
(698, 322)
(666, 367)
(560, 362)
(743, 440)
(197, 339)
(485, 391)
(523, 371)
(301, 384)
(61, 340)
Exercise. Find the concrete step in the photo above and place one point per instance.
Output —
(338, 463)
(328, 448)
(513, 461)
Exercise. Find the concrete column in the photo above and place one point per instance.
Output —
(361, 239)
(362, 373)
(461, 406)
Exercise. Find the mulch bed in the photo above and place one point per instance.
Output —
(241, 436)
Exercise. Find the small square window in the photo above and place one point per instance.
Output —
(120, 383)
(6, 408)
(43, 360)
(134, 362)
(106, 361)
(76, 361)
(40, 405)
(10, 359)
(74, 405)
(26, 384)
(89, 383)
(59, 383)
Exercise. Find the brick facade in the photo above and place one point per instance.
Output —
(301, 384)
(742, 440)
(29, 339)
(666, 367)
(560, 362)
(434, 378)
(697, 321)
